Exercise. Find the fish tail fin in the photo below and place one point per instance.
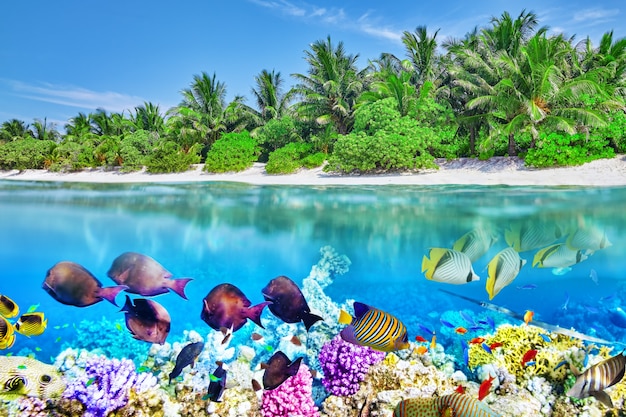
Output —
(109, 293)
(344, 317)
(254, 313)
(294, 367)
(178, 286)
(309, 319)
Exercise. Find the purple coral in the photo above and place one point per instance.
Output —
(345, 365)
(292, 398)
(106, 384)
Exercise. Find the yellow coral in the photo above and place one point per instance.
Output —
(516, 341)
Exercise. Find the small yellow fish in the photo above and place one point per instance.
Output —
(8, 308)
(31, 324)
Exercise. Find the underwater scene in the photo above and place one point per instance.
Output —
(226, 299)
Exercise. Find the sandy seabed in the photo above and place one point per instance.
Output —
(495, 171)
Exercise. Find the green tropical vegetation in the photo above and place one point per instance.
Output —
(508, 88)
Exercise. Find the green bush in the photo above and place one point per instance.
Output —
(314, 160)
(168, 157)
(288, 159)
(277, 133)
(558, 149)
(232, 152)
(383, 151)
(26, 153)
(70, 155)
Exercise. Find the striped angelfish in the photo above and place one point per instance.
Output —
(455, 404)
(374, 328)
(449, 266)
(502, 270)
(599, 377)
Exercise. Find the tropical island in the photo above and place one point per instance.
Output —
(508, 89)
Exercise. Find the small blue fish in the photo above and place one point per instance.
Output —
(561, 271)
(562, 363)
(467, 318)
(594, 276)
(486, 347)
(475, 328)
(531, 363)
(425, 329)
(491, 323)
(32, 308)
(545, 337)
(465, 347)
(527, 287)
(447, 323)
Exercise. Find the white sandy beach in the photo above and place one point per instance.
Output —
(497, 170)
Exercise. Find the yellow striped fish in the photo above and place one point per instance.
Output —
(590, 239)
(558, 256)
(449, 266)
(7, 334)
(31, 324)
(455, 404)
(374, 328)
(502, 270)
(8, 308)
(528, 236)
(475, 243)
(599, 377)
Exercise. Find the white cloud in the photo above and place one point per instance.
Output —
(592, 16)
(73, 96)
(334, 16)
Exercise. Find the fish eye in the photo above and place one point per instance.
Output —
(45, 378)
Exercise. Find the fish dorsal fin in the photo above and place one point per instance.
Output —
(603, 397)
(344, 317)
(360, 309)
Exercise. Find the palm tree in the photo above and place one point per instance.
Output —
(534, 91)
(14, 129)
(148, 117)
(43, 130)
(393, 85)
(203, 108)
(330, 88)
(509, 35)
(78, 126)
(270, 99)
(421, 50)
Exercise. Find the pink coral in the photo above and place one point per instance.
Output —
(293, 398)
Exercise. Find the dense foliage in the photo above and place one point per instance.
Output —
(232, 152)
(508, 88)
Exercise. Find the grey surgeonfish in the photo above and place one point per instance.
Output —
(599, 377)
(502, 270)
(449, 266)
(558, 256)
(475, 243)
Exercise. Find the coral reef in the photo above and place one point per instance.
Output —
(106, 384)
(291, 398)
(345, 365)
(552, 349)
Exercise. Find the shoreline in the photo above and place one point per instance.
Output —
(464, 171)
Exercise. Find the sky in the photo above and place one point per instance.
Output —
(59, 58)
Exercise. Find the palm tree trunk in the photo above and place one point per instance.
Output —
(472, 139)
(512, 145)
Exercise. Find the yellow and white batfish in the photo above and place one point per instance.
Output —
(475, 243)
(502, 270)
(449, 266)
(558, 256)
(529, 236)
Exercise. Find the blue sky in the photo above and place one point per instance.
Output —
(58, 58)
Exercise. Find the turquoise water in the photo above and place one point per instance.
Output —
(247, 235)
